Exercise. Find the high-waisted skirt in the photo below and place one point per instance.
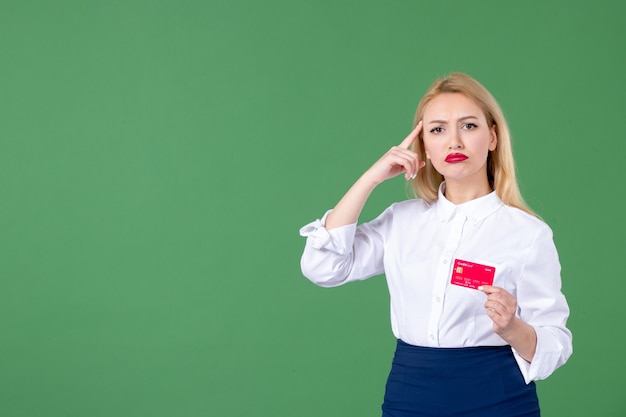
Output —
(460, 382)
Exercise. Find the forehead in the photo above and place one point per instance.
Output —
(451, 106)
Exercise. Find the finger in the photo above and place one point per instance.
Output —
(498, 307)
(412, 136)
(501, 309)
(498, 321)
(420, 165)
(410, 169)
(506, 303)
(413, 163)
(405, 159)
(410, 166)
(394, 165)
(489, 289)
(500, 295)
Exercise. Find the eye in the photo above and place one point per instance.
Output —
(469, 126)
(436, 130)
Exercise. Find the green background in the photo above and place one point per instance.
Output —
(157, 159)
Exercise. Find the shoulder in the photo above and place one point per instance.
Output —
(520, 219)
(409, 208)
(412, 205)
(399, 213)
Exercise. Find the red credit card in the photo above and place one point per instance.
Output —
(471, 275)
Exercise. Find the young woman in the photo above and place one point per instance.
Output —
(473, 273)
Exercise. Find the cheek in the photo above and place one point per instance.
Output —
(431, 150)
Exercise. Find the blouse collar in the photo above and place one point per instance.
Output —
(475, 210)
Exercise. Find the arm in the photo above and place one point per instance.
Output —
(336, 252)
(538, 333)
(397, 160)
(501, 308)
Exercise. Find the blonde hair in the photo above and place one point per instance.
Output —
(500, 162)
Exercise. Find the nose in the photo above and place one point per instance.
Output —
(455, 140)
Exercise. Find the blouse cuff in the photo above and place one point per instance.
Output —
(545, 360)
(338, 240)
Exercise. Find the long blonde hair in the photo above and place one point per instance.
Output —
(500, 162)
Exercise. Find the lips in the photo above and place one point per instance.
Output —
(455, 157)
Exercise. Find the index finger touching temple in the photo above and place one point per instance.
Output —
(406, 143)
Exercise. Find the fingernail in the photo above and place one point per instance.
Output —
(480, 288)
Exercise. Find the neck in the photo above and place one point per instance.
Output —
(459, 192)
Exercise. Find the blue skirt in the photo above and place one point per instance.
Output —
(467, 382)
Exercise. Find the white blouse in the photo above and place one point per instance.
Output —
(415, 244)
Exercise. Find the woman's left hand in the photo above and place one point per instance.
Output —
(501, 307)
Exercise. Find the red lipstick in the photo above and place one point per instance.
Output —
(455, 157)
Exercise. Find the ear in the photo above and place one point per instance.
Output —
(494, 138)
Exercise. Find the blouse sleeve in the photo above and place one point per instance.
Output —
(542, 305)
(343, 254)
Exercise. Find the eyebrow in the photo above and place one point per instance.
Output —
(460, 119)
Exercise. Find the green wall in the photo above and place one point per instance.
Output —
(158, 157)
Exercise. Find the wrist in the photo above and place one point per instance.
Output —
(367, 181)
(522, 337)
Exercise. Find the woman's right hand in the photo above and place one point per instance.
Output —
(397, 160)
